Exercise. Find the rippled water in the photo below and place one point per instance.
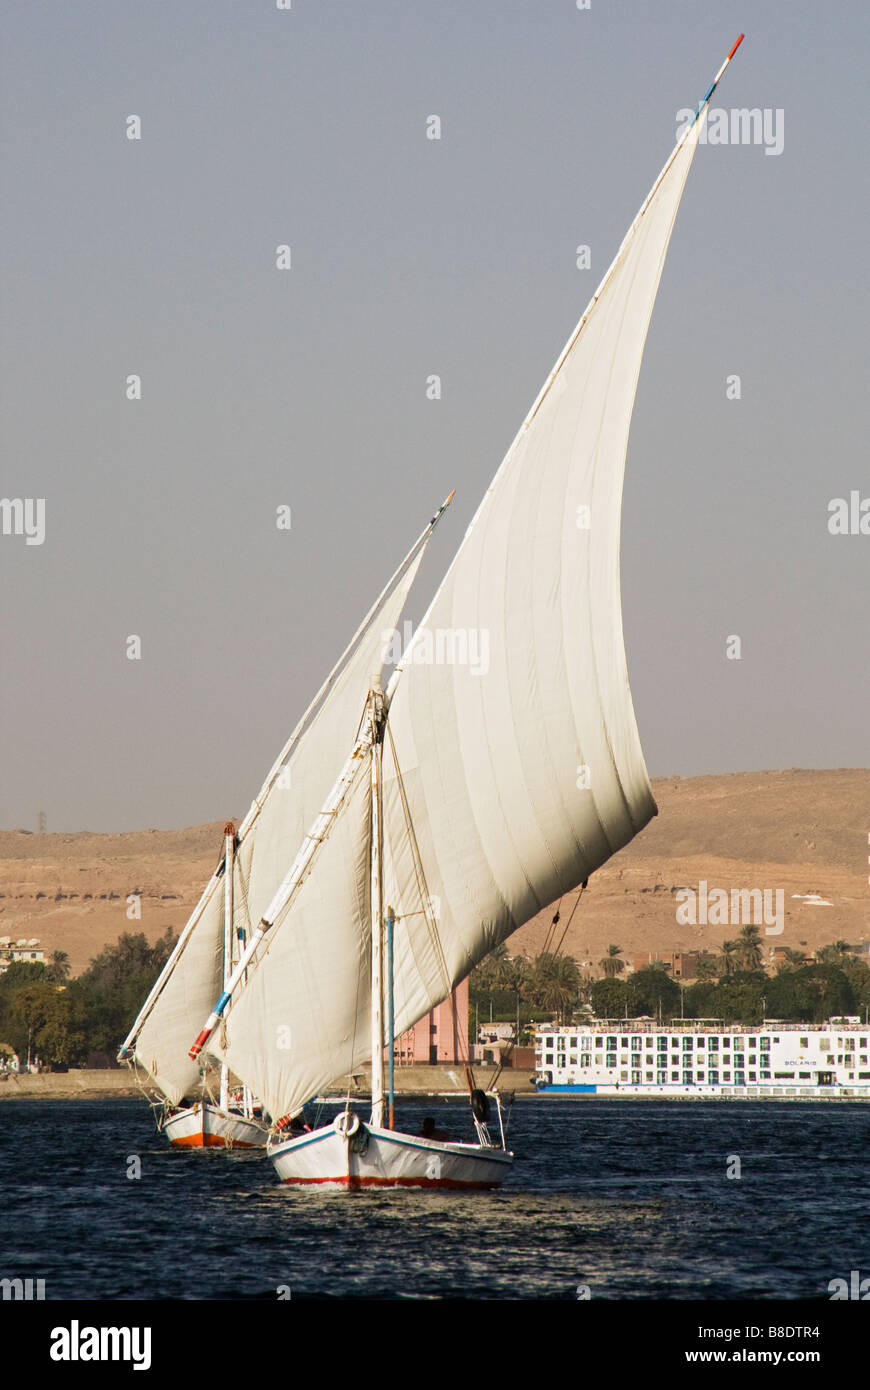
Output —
(628, 1197)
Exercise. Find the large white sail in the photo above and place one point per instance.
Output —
(513, 724)
(269, 837)
(302, 1018)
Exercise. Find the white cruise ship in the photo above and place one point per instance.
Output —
(704, 1057)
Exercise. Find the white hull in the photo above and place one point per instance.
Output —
(204, 1126)
(698, 1091)
(376, 1157)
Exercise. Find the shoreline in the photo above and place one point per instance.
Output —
(90, 1084)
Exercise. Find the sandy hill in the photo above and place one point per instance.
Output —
(805, 832)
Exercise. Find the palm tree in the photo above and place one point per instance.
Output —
(59, 967)
(728, 957)
(706, 969)
(790, 960)
(486, 975)
(611, 964)
(554, 984)
(749, 948)
(513, 976)
(833, 954)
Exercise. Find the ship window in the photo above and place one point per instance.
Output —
(611, 1044)
(635, 1078)
(850, 1044)
(824, 1044)
(675, 1076)
(649, 1075)
(700, 1076)
(599, 1042)
(783, 1076)
(586, 1059)
(713, 1078)
(548, 1042)
(623, 1076)
(560, 1044)
(573, 1059)
(726, 1042)
(752, 1076)
(740, 1078)
(700, 1042)
(662, 1044)
(726, 1076)
(611, 1059)
(661, 1077)
(765, 1076)
(636, 1044)
(804, 1075)
(805, 1042)
(776, 1040)
(713, 1044)
(687, 1044)
(863, 1042)
(649, 1043)
(549, 1058)
(864, 1076)
(574, 1043)
(687, 1078)
(623, 1042)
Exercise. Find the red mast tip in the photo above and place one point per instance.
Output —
(740, 38)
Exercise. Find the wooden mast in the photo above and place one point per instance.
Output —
(377, 1005)
(229, 850)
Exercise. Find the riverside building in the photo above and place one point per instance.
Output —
(704, 1057)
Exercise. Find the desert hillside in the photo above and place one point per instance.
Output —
(805, 832)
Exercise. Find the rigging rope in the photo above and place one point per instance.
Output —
(428, 916)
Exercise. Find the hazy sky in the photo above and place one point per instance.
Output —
(307, 387)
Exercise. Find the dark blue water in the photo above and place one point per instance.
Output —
(628, 1198)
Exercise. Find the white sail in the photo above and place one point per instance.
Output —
(269, 837)
(513, 723)
(188, 993)
(302, 778)
(302, 1018)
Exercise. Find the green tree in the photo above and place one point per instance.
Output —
(749, 948)
(116, 983)
(706, 968)
(58, 970)
(654, 990)
(613, 998)
(810, 994)
(611, 964)
(554, 984)
(791, 960)
(62, 1037)
(729, 957)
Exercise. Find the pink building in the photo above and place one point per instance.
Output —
(439, 1036)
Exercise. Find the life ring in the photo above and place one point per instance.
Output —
(346, 1123)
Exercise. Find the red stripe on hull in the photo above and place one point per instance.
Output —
(208, 1141)
(390, 1182)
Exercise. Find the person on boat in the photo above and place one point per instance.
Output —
(428, 1130)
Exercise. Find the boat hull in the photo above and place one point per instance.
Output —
(375, 1157)
(206, 1126)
